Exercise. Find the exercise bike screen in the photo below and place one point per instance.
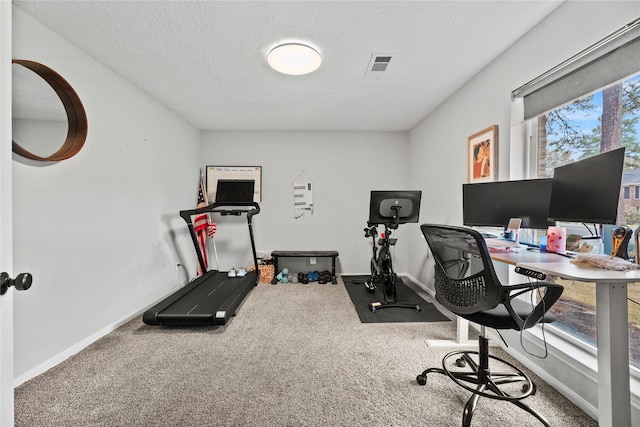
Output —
(385, 205)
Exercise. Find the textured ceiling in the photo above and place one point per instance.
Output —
(205, 60)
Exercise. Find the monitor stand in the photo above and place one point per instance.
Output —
(514, 226)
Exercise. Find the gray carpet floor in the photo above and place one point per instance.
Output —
(296, 355)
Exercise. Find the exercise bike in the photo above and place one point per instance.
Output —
(382, 266)
(389, 208)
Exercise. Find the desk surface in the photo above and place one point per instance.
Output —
(557, 265)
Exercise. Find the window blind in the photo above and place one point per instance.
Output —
(611, 59)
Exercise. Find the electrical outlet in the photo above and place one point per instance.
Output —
(312, 260)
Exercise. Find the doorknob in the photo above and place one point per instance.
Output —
(22, 282)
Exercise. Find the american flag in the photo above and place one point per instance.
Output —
(203, 227)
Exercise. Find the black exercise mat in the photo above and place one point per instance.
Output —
(361, 299)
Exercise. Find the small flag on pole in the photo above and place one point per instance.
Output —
(200, 226)
(203, 227)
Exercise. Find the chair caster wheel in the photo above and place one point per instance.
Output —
(461, 363)
(421, 379)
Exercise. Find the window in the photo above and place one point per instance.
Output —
(588, 104)
(598, 122)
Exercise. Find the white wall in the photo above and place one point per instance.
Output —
(100, 232)
(344, 168)
(486, 101)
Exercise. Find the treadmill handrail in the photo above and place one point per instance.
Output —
(187, 215)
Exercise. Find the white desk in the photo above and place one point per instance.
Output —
(614, 396)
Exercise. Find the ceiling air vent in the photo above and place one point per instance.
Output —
(381, 63)
(378, 64)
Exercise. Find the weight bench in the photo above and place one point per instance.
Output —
(307, 254)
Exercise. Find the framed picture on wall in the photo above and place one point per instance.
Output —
(482, 155)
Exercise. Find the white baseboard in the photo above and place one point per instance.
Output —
(74, 349)
(61, 357)
(419, 283)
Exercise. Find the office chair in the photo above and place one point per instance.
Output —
(467, 285)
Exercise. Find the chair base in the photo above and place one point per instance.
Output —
(477, 378)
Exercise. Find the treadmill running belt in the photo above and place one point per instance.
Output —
(211, 299)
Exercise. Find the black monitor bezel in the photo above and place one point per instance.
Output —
(231, 183)
(575, 184)
(527, 199)
(378, 198)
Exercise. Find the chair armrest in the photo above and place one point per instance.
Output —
(553, 291)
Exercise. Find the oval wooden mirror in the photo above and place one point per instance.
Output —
(44, 106)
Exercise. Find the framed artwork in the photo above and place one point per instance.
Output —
(482, 155)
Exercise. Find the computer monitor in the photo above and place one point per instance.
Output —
(234, 191)
(588, 190)
(394, 207)
(492, 204)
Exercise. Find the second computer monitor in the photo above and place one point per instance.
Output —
(588, 190)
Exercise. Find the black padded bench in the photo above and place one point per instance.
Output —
(307, 254)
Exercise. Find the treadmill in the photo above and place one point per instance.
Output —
(212, 298)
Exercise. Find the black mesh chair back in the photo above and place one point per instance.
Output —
(464, 281)
(467, 285)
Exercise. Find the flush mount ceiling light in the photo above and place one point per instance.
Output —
(294, 59)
